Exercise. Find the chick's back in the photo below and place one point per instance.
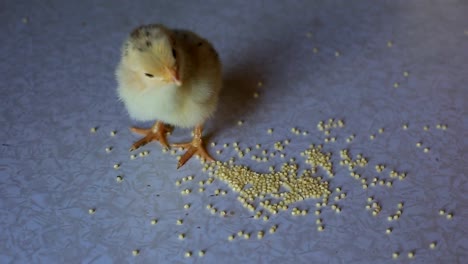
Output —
(202, 75)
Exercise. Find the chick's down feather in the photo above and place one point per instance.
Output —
(150, 98)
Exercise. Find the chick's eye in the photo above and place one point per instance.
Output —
(174, 54)
(149, 75)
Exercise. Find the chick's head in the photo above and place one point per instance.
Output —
(152, 54)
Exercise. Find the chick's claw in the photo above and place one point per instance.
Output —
(156, 133)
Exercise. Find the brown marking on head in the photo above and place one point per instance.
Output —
(135, 33)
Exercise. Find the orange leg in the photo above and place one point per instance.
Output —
(193, 148)
(156, 133)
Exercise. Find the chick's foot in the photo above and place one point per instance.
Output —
(155, 133)
(193, 148)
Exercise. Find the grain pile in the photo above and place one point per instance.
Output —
(276, 190)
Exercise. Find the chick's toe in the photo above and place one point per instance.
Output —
(155, 133)
(195, 147)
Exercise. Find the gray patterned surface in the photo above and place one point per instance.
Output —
(57, 82)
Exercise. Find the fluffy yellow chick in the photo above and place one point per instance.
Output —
(172, 76)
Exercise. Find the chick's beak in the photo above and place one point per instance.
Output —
(174, 76)
(176, 79)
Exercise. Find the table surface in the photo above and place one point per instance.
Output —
(372, 64)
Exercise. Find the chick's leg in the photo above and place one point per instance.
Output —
(194, 148)
(156, 133)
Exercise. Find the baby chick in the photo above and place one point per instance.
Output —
(172, 76)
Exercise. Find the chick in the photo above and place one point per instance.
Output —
(172, 76)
